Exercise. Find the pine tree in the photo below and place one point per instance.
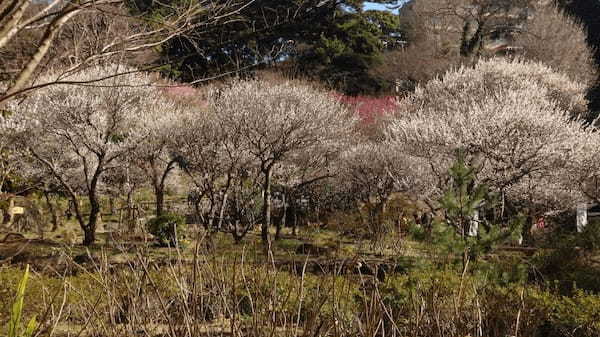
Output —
(463, 230)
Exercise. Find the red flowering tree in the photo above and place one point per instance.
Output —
(368, 108)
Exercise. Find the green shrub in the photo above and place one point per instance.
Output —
(589, 239)
(568, 260)
(442, 302)
(169, 229)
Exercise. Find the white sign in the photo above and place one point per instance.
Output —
(582, 217)
(17, 210)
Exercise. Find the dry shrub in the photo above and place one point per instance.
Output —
(220, 295)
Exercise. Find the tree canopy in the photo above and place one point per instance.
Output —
(337, 42)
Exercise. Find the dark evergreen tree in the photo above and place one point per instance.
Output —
(335, 41)
(588, 11)
(349, 46)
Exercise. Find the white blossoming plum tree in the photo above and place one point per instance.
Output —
(296, 176)
(216, 160)
(76, 134)
(276, 121)
(155, 154)
(8, 158)
(517, 122)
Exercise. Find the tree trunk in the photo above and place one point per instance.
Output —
(210, 221)
(237, 236)
(210, 225)
(11, 25)
(111, 205)
(472, 41)
(381, 208)
(295, 224)
(526, 230)
(239, 231)
(74, 204)
(266, 223)
(294, 215)
(8, 215)
(159, 185)
(222, 211)
(281, 223)
(52, 212)
(210, 242)
(159, 191)
(89, 235)
(199, 218)
(42, 49)
(129, 215)
(89, 230)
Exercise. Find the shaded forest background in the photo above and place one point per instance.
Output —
(342, 44)
(589, 14)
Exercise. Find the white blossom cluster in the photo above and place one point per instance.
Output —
(89, 127)
(517, 121)
(275, 120)
(74, 134)
(265, 134)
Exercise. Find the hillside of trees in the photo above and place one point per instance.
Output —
(262, 168)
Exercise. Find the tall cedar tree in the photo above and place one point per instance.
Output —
(334, 41)
(345, 48)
